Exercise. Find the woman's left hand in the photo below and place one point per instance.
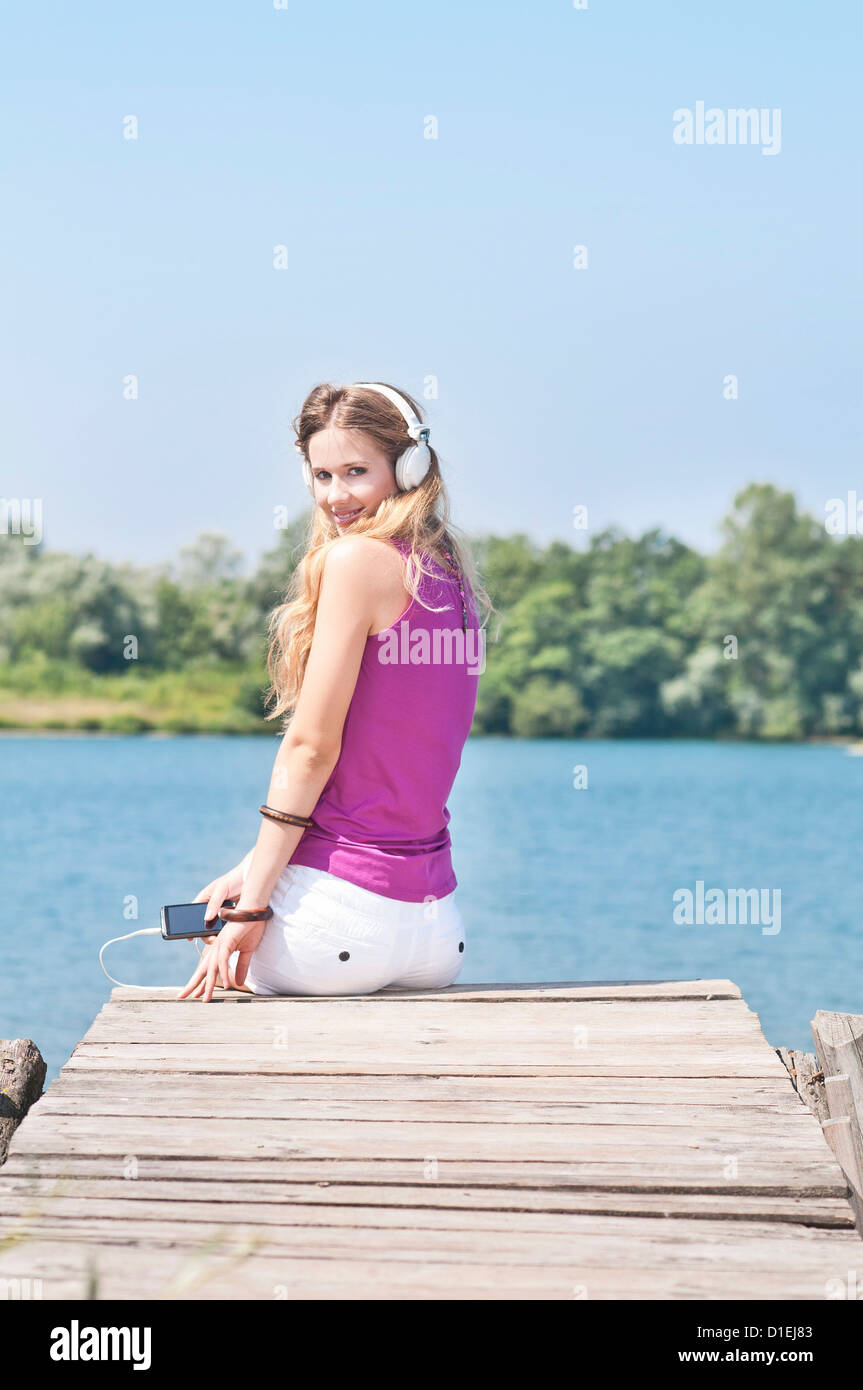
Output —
(215, 962)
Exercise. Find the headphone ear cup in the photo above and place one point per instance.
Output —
(307, 476)
(412, 467)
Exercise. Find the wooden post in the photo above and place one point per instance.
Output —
(839, 1048)
(807, 1079)
(841, 1104)
(838, 1091)
(840, 1136)
(22, 1075)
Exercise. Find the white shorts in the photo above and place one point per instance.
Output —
(329, 936)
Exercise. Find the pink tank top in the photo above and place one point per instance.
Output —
(381, 821)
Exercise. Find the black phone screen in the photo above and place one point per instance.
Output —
(187, 919)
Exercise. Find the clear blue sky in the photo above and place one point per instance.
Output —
(409, 257)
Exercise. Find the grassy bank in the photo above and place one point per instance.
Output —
(206, 698)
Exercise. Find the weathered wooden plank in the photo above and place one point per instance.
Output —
(494, 1058)
(429, 1006)
(649, 990)
(561, 1239)
(723, 1093)
(564, 1239)
(543, 1046)
(621, 1173)
(63, 1271)
(428, 1051)
(759, 1121)
(482, 1018)
(277, 1202)
(156, 1134)
(97, 1219)
(758, 1175)
(538, 1051)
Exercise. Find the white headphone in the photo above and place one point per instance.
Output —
(411, 466)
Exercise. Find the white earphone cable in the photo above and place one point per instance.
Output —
(142, 931)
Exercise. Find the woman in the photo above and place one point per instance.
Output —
(377, 654)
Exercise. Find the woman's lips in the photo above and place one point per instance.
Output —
(342, 518)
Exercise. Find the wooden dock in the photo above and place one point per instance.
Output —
(594, 1140)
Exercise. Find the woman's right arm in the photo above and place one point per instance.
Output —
(348, 604)
(353, 590)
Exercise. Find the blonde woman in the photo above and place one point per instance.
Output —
(374, 660)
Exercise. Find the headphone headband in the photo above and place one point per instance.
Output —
(415, 426)
(411, 466)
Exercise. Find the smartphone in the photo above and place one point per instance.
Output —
(182, 921)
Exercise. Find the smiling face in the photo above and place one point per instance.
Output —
(351, 474)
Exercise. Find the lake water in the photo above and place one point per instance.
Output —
(555, 883)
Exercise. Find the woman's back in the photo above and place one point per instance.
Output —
(381, 820)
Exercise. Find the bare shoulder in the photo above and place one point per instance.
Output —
(354, 553)
(369, 573)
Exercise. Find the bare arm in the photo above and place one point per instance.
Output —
(352, 590)
(349, 598)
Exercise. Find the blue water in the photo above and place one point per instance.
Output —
(554, 883)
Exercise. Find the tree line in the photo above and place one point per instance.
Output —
(618, 637)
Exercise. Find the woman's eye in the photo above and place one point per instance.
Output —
(322, 475)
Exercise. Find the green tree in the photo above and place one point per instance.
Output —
(547, 708)
(787, 597)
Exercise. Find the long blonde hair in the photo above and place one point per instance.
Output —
(421, 517)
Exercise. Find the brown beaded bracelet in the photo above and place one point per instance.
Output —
(286, 817)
